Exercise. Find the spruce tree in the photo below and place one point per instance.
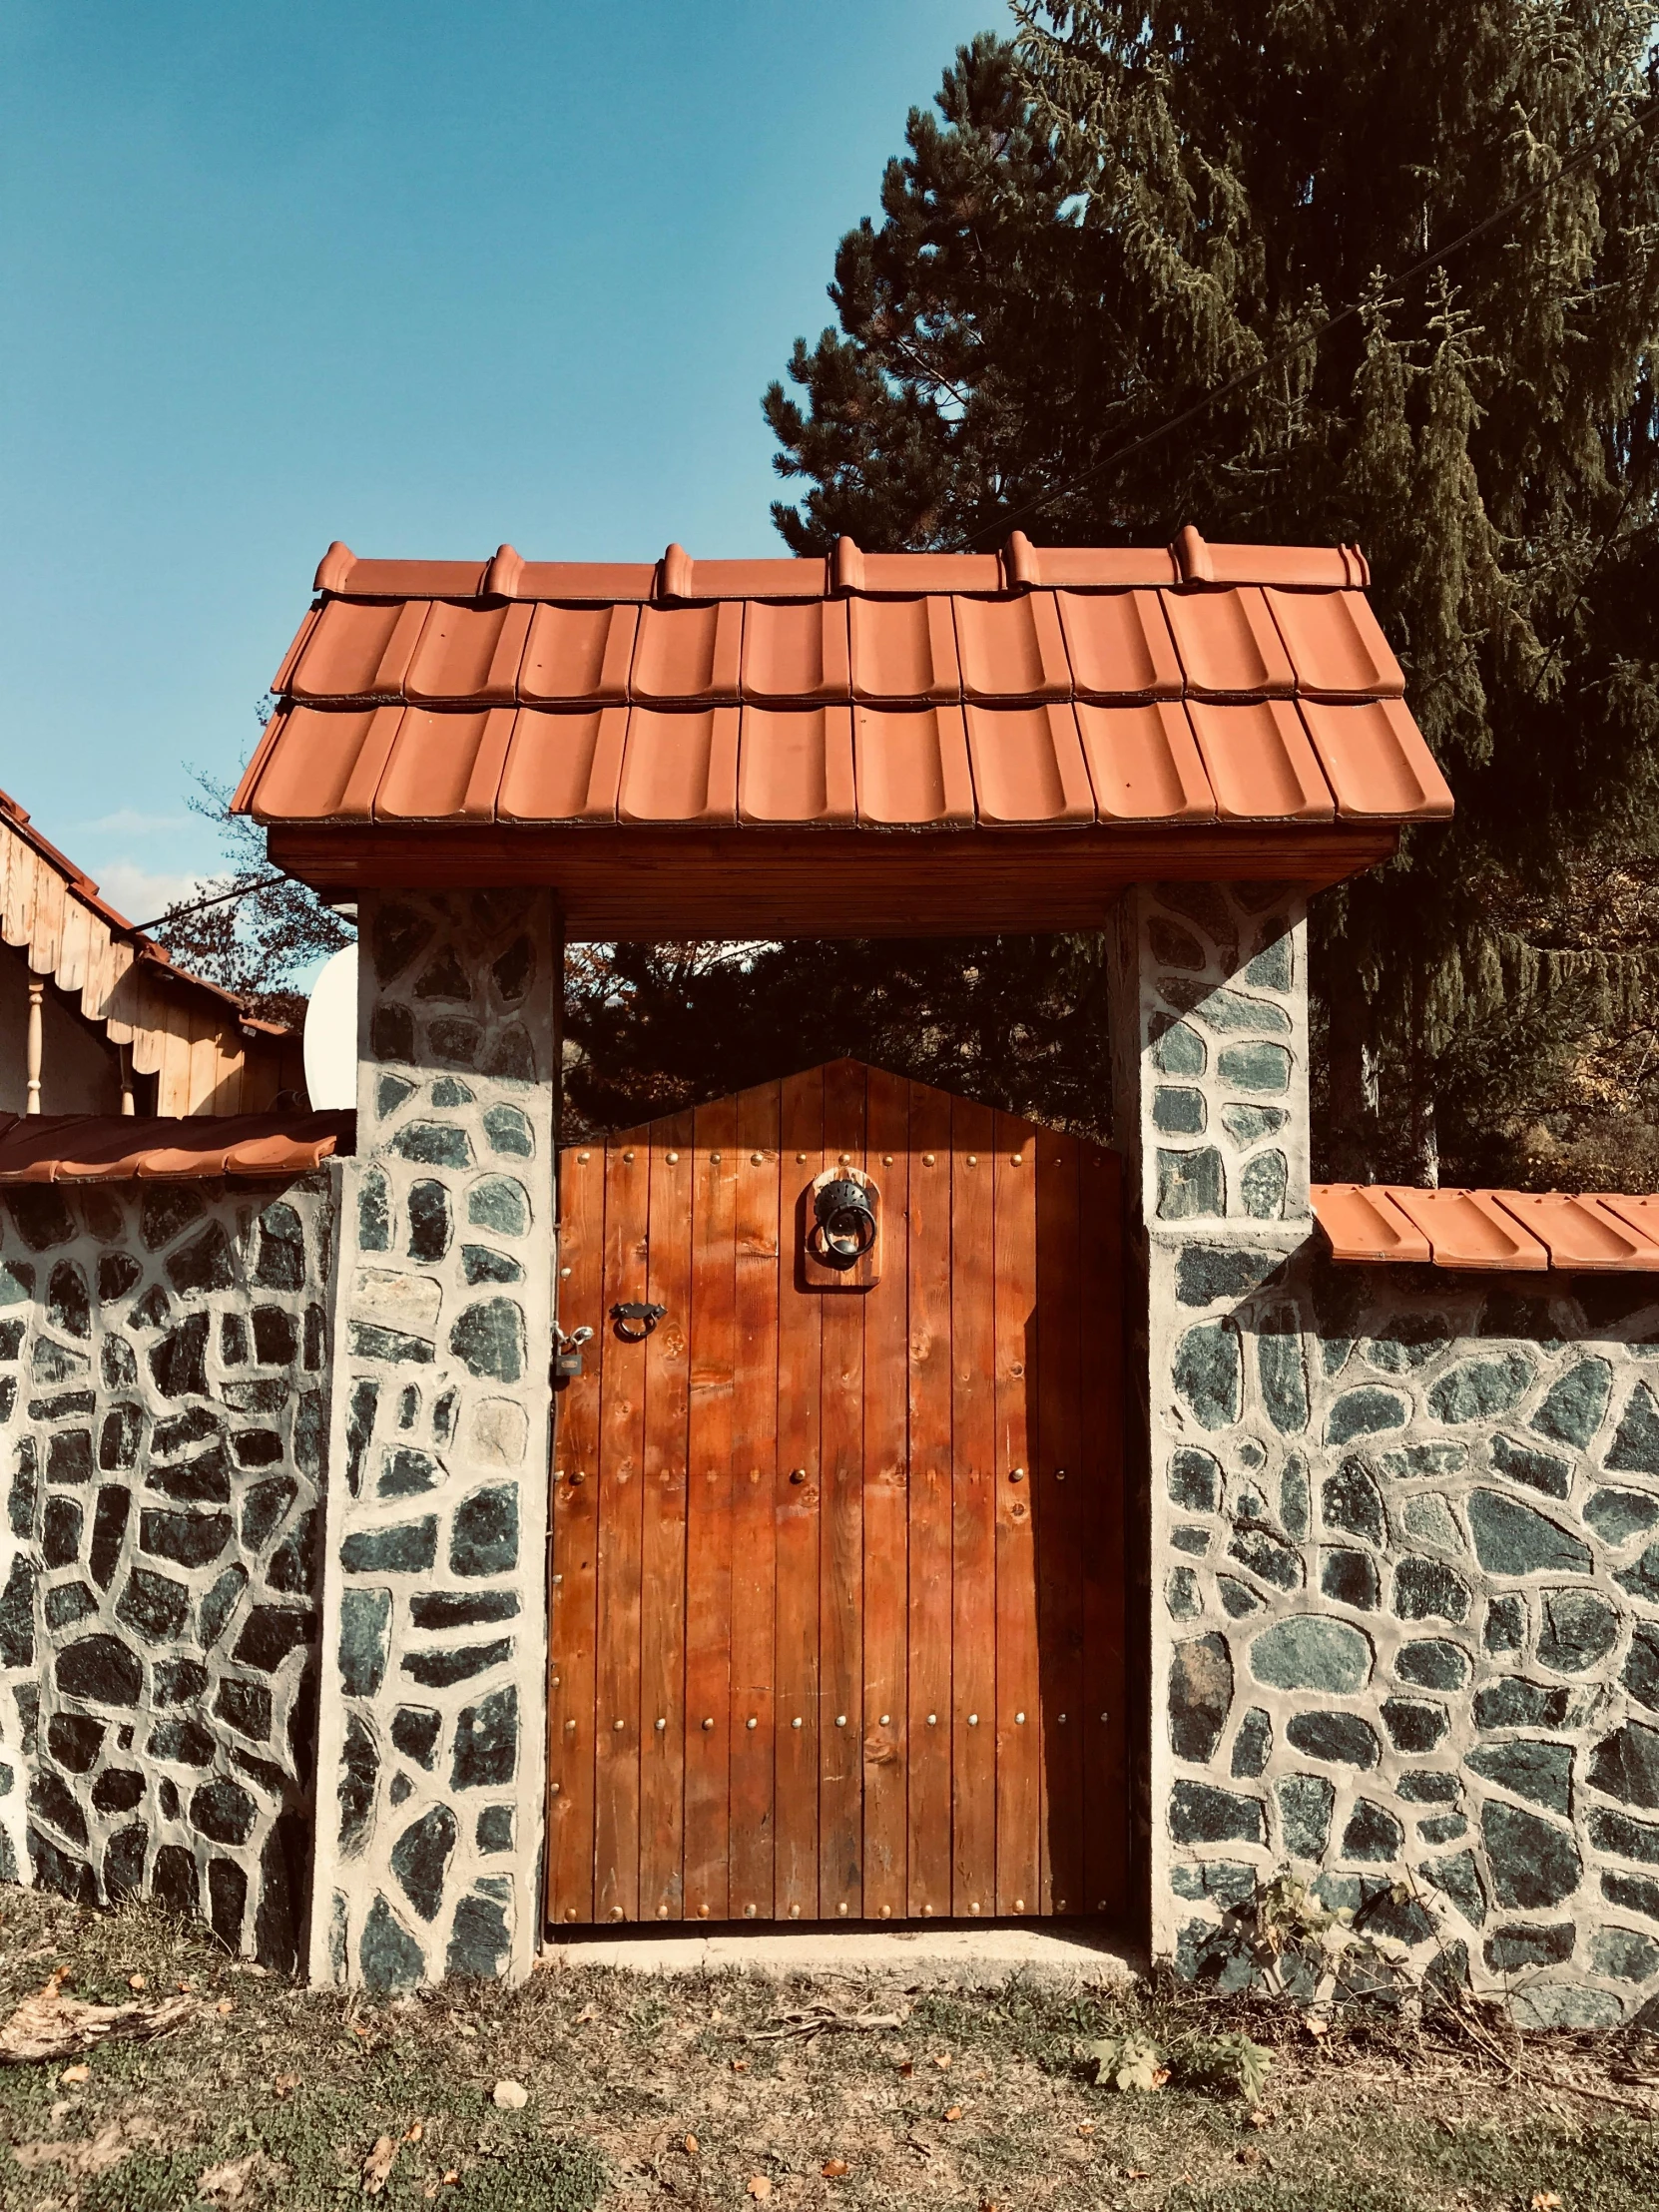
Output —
(1139, 215)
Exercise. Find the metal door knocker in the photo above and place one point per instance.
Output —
(647, 1316)
(842, 1228)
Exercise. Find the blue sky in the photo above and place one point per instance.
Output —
(420, 276)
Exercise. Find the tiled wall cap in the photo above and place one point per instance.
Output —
(502, 577)
(674, 577)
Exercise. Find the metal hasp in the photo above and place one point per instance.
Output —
(567, 1352)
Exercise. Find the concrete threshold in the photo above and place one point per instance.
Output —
(981, 1955)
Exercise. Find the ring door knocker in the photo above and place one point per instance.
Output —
(841, 1220)
(645, 1317)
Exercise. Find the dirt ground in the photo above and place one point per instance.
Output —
(702, 2092)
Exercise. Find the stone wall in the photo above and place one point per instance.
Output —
(163, 1364)
(434, 1656)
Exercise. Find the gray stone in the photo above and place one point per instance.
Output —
(1539, 1470)
(480, 1265)
(420, 1856)
(1419, 1786)
(391, 1033)
(1181, 1596)
(1342, 1738)
(1252, 1746)
(154, 1607)
(414, 1732)
(1282, 1373)
(1533, 1863)
(1208, 1374)
(488, 1339)
(1408, 1460)
(1427, 1519)
(508, 1131)
(369, 1341)
(454, 1042)
(1576, 1404)
(1189, 1539)
(399, 932)
(1635, 1445)
(1623, 1836)
(1623, 1955)
(408, 1471)
(1173, 946)
(247, 1706)
(1578, 1630)
(1180, 1050)
(1238, 1599)
(1305, 1802)
(1178, 1112)
(1194, 1481)
(1248, 1125)
(1528, 1768)
(1207, 1272)
(1511, 1702)
(1373, 1834)
(1200, 1697)
(1350, 1500)
(438, 1144)
(1626, 1765)
(1641, 1667)
(515, 969)
(499, 1203)
(262, 1508)
(282, 1262)
(1618, 1515)
(219, 1604)
(1475, 1390)
(1198, 1813)
(1434, 1664)
(1222, 1010)
(1350, 1578)
(1267, 1556)
(1192, 1185)
(387, 1954)
(1514, 1949)
(188, 1540)
(1633, 1893)
(1406, 1341)
(364, 1640)
(1642, 1580)
(375, 1210)
(494, 1831)
(1505, 1624)
(430, 1223)
(1262, 1069)
(1545, 2005)
(443, 1609)
(1415, 1725)
(1364, 1411)
(485, 1754)
(1294, 1500)
(484, 1531)
(390, 1092)
(449, 1090)
(1427, 1589)
(1310, 1651)
(1263, 1186)
(1511, 1538)
(102, 1670)
(223, 1812)
(437, 1670)
(409, 1548)
(480, 1941)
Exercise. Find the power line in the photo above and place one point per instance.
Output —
(1435, 260)
(220, 898)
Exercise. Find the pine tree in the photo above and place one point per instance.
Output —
(1141, 215)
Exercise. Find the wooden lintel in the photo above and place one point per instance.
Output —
(643, 885)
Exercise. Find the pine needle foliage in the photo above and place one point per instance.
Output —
(1133, 212)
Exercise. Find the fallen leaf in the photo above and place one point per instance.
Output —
(378, 2164)
(1259, 2118)
(758, 2186)
(1137, 2173)
(91, 2154)
(834, 2168)
(226, 2005)
(510, 2096)
(691, 2146)
(941, 2058)
(1247, 2155)
(415, 2131)
(1546, 2200)
(953, 2112)
(137, 1981)
(739, 2065)
(588, 2012)
(907, 2067)
(472, 2034)
(229, 2180)
(1085, 2127)
(284, 2082)
(1314, 2026)
(450, 2178)
(75, 2074)
(51, 2026)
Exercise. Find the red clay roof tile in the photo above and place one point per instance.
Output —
(911, 767)
(563, 767)
(577, 653)
(468, 652)
(1468, 1229)
(1375, 761)
(1528, 1230)
(1011, 648)
(680, 764)
(904, 651)
(1144, 763)
(1365, 1224)
(1580, 1233)
(1258, 761)
(688, 652)
(1229, 645)
(360, 650)
(794, 764)
(794, 652)
(1119, 645)
(112, 1148)
(1336, 644)
(1028, 767)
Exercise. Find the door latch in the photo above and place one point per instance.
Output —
(567, 1352)
(646, 1315)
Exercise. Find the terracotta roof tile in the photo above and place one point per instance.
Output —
(1642, 1214)
(1119, 645)
(630, 581)
(1258, 761)
(1144, 763)
(780, 580)
(680, 764)
(688, 652)
(1336, 644)
(1011, 648)
(360, 650)
(1580, 1233)
(563, 767)
(1375, 761)
(796, 652)
(904, 651)
(1365, 1224)
(110, 1148)
(911, 767)
(1229, 644)
(1303, 567)
(444, 765)
(794, 764)
(1526, 1231)
(1470, 1229)
(577, 653)
(1028, 767)
(471, 653)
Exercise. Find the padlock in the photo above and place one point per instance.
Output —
(567, 1352)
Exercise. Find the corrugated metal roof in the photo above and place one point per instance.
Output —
(1031, 688)
(1528, 1230)
(110, 1148)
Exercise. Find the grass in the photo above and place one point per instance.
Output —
(646, 2092)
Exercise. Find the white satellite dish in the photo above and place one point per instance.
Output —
(331, 1042)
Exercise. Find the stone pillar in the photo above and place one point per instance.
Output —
(435, 1640)
(1210, 1018)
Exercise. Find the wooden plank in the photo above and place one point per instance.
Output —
(842, 1542)
(1106, 1806)
(973, 1515)
(797, 1497)
(573, 1610)
(886, 1729)
(709, 1515)
(928, 1506)
(663, 1537)
(621, 1461)
(1018, 1720)
(1057, 1479)
(754, 1512)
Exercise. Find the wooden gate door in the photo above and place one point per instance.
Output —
(837, 1573)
